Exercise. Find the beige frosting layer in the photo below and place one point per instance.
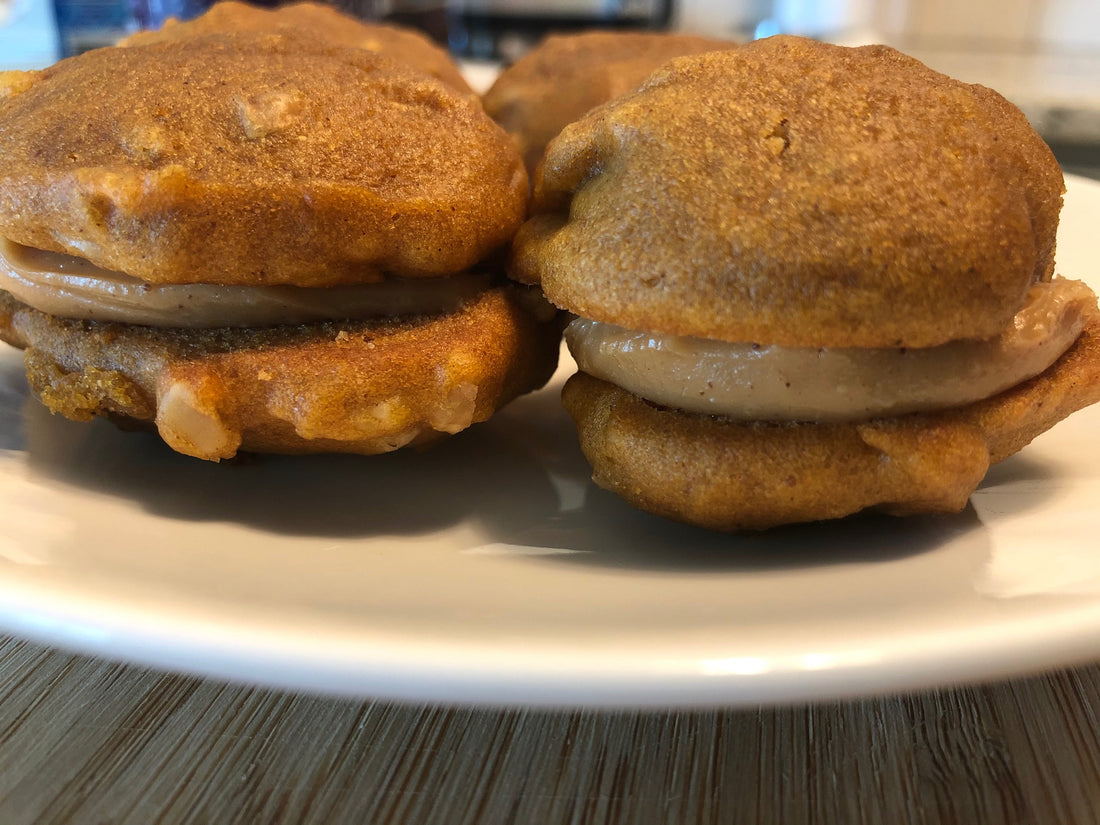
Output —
(72, 287)
(756, 382)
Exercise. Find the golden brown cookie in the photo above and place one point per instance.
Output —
(565, 75)
(340, 386)
(797, 193)
(229, 198)
(254, 159)
(796, 203)
(736, 475)
(396, 42)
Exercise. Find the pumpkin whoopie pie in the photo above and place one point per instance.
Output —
(565, 75)
(264, 243)
(808, 280)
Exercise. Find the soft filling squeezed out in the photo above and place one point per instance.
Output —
(72, 287)
(755, 382)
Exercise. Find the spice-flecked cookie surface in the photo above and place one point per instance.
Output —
(565, 75)
(396, 42)
(797, 193)
(253, 159)
(367, 387)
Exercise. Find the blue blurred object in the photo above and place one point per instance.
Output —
(151, 14)
(89, 24)
(28, 34)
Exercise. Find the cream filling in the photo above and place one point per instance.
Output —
(755, 382)
(72, 287)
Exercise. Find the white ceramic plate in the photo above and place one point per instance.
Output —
(490, 570)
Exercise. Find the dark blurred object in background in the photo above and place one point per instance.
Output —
(505, 29)
(482, 29)
(1078, 158)
(151, 14)
(89, 24)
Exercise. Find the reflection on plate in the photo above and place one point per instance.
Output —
(489, 569)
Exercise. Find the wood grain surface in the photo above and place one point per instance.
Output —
(87, 741)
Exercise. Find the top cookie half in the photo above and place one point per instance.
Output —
(244, 158)
(322, 21)
(796, 193)
(565, 75)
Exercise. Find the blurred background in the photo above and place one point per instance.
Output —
(1044, 55)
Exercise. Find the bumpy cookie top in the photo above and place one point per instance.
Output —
(797, 193)
(323, 21)
(253, 159)
(565, 75)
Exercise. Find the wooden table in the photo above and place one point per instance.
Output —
(83, 740)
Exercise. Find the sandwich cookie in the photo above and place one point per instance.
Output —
(264, 243)
(807, 280)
